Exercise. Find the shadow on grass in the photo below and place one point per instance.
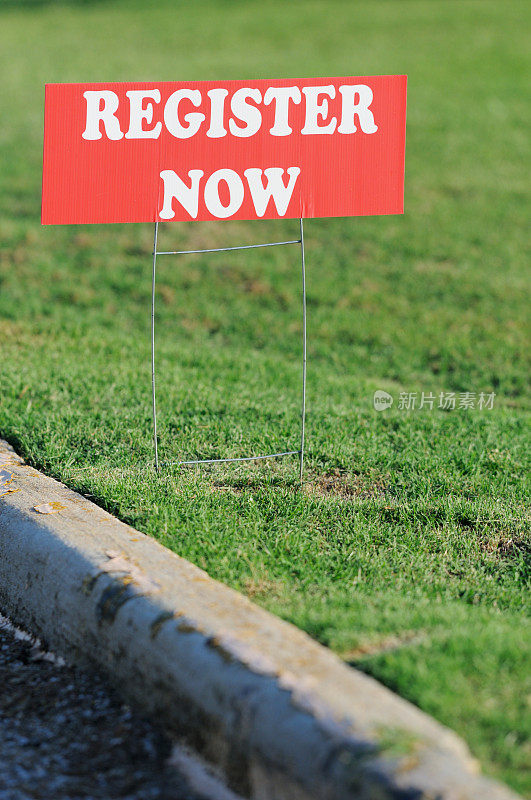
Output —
(241, 485)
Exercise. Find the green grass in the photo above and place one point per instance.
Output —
(408, 550)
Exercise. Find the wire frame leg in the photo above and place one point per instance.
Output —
(300, 452)
(303, 405)
(153, 345)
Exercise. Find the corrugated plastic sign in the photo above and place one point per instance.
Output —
(143, 152)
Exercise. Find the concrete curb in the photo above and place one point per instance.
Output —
(279, 715)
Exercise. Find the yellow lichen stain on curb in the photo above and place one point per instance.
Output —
(120, 563)
(10, 460)
(89, 581)
(83, 508)
(225, 654)
(131, 582)
(49, 508)
(6, 482)
(185, 627)
(6, 476)
(164, 616)
(8, 490)
(114, 597)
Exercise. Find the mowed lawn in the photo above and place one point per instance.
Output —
(407, 550)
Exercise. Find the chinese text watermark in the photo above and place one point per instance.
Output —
(446, 401)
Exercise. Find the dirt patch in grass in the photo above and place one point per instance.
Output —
(254, 587)
(336, 484)
(508, 547)
(331, 484)
(384, 645)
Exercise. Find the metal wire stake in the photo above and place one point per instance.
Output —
(303, 409)
(153, 345)
(224, 249)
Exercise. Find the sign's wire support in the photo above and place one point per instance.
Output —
(303, 402)
(154, 403)
(299, 452)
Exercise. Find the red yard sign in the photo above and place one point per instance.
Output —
(144, 152)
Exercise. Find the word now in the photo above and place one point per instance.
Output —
(234, 191)
(246, 114)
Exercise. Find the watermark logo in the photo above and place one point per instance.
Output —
(445, 401)
(382, 400)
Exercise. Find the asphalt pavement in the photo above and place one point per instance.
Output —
(65, 735)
